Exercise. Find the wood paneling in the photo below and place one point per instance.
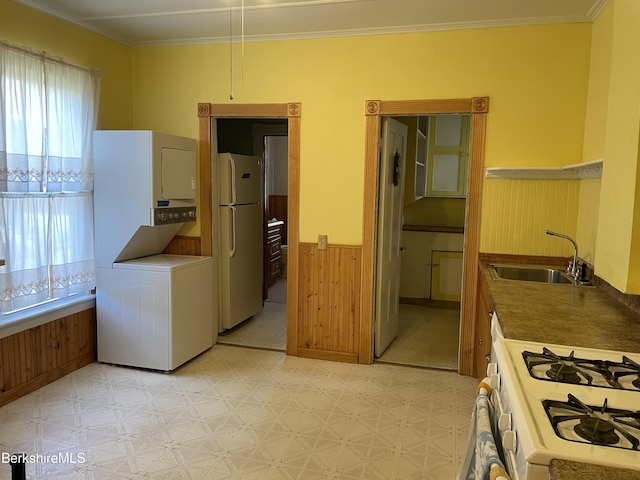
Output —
(34, 357)
(182, 245)
(329, 302)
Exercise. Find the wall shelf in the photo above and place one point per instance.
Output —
(584, 170)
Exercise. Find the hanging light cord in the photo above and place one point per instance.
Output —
(230, 53)
(231, 49)
(242, 40)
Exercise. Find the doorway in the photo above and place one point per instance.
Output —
(266, 139)
(209, 114)
(374, 111)
(425, 211)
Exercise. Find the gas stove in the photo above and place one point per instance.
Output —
(622, 374)
(568, 403)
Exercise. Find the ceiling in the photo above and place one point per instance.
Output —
(177, 22)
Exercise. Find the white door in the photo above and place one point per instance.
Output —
(389, 232)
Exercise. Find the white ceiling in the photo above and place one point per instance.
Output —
(178, 22)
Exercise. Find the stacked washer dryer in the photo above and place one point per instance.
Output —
(153, 310)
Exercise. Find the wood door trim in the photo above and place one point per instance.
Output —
(208, 113)
(478, 107)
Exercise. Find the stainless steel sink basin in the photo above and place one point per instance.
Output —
(530, 273)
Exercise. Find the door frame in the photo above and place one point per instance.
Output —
(478, 107)
(207, 115)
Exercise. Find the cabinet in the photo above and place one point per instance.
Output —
(447, 155)
(484, 310)
(446, 275)
(416, 271)
(274, 254)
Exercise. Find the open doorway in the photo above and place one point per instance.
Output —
(421, 239)
(266, 139)
(478, 107)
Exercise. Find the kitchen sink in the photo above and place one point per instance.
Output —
(530, 273)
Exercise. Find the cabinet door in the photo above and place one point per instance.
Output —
(446, 275)
(448, 155)
(484, 310)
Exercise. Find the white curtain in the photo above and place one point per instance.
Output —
(48, 111)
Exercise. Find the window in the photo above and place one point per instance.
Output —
(48, 111)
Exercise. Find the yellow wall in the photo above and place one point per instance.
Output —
(536, 77)
(618, 231)
(24, 26)
(595, 131)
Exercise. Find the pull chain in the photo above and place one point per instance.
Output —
(230, 53)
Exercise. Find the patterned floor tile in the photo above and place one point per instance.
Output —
(238, 413)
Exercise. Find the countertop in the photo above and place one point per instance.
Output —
(432, 228)
(566, 470)
(567, 315)
(564, 314)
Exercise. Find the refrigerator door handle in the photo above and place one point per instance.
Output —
(232, 164)
(232, 232)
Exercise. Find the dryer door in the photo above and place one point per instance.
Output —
(178, 174)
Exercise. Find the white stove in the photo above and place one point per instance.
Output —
(555, 401)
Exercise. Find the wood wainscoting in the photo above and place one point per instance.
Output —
(328, 324)
(183, 245)
(37, 356)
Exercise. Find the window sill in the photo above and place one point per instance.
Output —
(13, 323)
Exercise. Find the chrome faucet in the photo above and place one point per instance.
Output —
(572, 270)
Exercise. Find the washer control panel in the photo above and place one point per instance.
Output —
(167, 215)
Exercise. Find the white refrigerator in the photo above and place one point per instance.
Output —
(241, 237)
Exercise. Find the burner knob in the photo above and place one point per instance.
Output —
(504, 422)
(494, 381)
(509, 441)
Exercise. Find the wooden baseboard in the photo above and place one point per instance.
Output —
(326, 355)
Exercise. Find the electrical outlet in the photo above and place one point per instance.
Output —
(322, 242)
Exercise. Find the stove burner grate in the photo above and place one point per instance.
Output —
(604, 426)
(580, 371)
(627, 367)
